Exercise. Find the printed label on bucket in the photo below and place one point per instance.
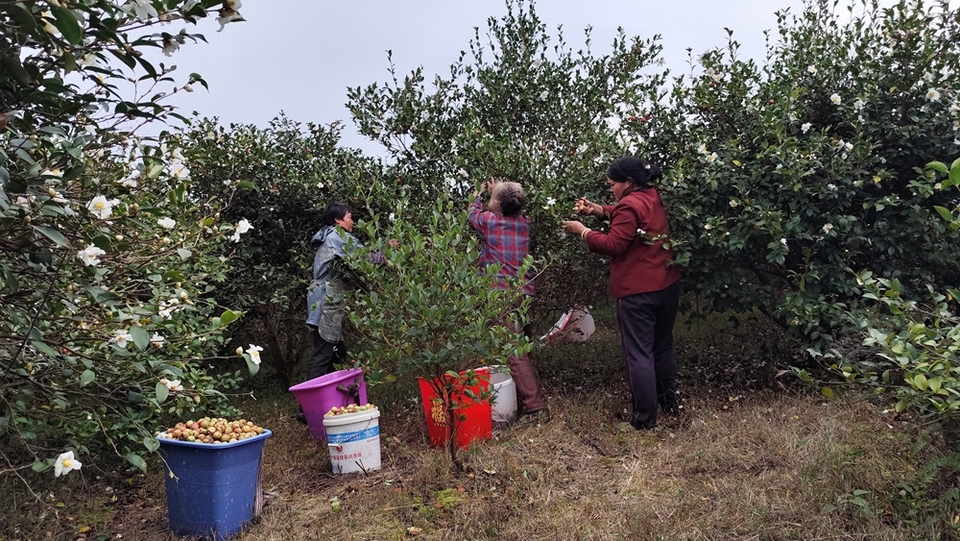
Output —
(346, 437)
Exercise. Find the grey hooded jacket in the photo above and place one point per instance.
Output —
(325, 293)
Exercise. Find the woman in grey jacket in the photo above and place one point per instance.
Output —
(325, 294)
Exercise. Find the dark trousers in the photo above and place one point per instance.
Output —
(646, 334)
(325, 354)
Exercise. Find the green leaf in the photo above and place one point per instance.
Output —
(40, 466)
(42, 347)
(944, 212)
(246, 184)
(162, 393)
(229, 316)
(66, 22)
(86, 377)
(53, 235)
(252, 366)
(140, 337)
(137, 461)
(828, 392)
(151, 443)
(184, 254)
(955, 174)
(938, 166)
(920, 382)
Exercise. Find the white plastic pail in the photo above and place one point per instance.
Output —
(354, 441)
(503, 408)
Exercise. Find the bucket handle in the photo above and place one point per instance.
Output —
(339, 446)
(353, 390)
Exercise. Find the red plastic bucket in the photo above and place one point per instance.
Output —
(318, 395)
(472, 418)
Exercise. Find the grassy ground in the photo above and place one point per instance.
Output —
(754, 458)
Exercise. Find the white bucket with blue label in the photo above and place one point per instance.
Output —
(354, 441)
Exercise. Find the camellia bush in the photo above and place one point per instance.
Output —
(109, 259)
(524, 105)
(785, 176)
(279, 178)
(424, 310)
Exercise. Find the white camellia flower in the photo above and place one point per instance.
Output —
(933, 94)
(141, 9)
(243, 226)
(172, 384)
(702, 149)
(156, 340)
(835, 98)
(712, 157)
(130, 181)
(827, 228)
(166, 222)
(170, 46)
(178, 170)
(122, 337)
(57, 197)
(858, 105)
(544, 95)
(733, 203)
(812, 70)
(463, 173)
(229, 13)
(167, 308)
(783, 241)
(90, 255)
(66, 464)
(551, 201)
(708, 227)
(102, 207)
(254, 352)
(805, 127)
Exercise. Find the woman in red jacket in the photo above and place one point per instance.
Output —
(642, 280)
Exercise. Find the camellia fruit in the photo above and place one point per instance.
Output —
(212, 430)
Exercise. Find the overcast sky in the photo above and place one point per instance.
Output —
(299, 56)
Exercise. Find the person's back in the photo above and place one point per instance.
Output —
(506, 241)
(505, 232)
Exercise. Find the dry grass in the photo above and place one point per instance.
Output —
(744, 464)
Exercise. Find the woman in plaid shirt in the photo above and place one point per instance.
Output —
(506, 240)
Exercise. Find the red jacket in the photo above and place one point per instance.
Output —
(638, 228)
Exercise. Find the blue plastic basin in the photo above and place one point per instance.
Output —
(212, 489)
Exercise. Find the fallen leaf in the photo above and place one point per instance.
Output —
(413, 530)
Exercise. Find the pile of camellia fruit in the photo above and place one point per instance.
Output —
(352, 408)
(210, 430)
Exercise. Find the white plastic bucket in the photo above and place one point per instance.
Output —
(503, 407)
(354, 441)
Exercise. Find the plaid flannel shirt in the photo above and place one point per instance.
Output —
(506, 240)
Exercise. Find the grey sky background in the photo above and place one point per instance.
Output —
(299, 56)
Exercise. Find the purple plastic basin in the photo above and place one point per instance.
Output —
(318, 395)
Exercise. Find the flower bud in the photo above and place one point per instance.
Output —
(239, 351)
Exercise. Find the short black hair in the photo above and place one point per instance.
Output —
(634, 170)
(334, 211)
